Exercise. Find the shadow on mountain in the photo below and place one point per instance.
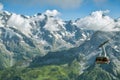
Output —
(55, 58)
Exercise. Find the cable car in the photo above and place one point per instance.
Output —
(102, 58)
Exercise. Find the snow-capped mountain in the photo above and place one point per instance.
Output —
(46, 39)
(37, 35)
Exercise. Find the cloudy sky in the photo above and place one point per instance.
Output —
(69, 9)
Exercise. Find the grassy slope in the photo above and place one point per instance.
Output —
(50, 72)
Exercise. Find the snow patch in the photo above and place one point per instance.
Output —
(54, 24)
(37, 18)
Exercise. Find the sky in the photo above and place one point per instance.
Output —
(68, 9)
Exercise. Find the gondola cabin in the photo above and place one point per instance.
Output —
(102, 60)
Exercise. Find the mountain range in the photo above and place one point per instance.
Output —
(44, 39)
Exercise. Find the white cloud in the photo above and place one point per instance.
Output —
(53, 23)
(1, 6)
(20, 23)
(52, 13)
(98, 21)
